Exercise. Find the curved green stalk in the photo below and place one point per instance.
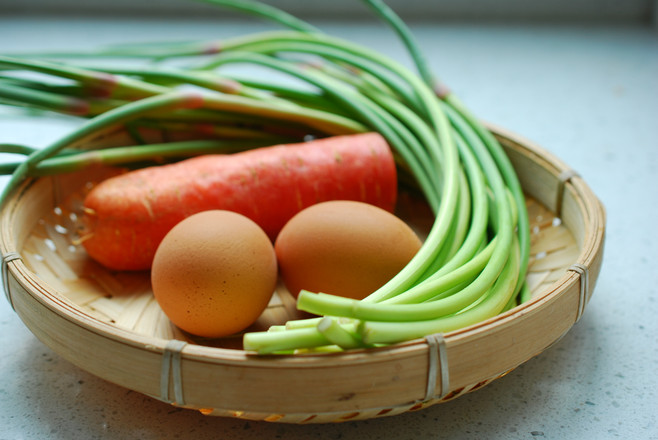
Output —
(44, 100)
(495, 301)
(117, 116)
(130, 154)
(284, 341)
(327, 122)
(509, 174)
(338, 334)
(389, 16)
(96, 83)
(325, 304)
(277, 42)
(480, 210)
(17, 149)
(265, 11)
(511, 180)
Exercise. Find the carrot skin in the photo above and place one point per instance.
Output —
(133, 212)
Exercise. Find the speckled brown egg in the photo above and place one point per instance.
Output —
(343, 248)
(214, 273)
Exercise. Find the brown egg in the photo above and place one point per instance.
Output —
(343, 248)
(214, 273)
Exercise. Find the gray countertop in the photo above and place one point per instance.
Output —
(587, 94)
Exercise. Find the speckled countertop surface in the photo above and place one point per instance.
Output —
(587, 94)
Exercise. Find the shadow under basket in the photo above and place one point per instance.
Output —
(109, 324)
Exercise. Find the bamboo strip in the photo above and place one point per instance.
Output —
(111, 309)
(97, 314)
(40, 268)
(535, 280)
(550, 239)
(82, 292)
(148, 322)
(46, 249)
(133, 310)
(558, 259)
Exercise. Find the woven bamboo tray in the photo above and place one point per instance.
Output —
(109, 324)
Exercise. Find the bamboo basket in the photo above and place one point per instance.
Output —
(109, 324)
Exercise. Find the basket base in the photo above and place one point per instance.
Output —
(125, 299)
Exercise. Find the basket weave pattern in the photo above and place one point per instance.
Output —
(69, 301)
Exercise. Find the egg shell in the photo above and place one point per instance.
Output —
(344, 248)
(214, 273)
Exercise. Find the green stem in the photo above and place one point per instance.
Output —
(327, 122)
(93, 126)
(278, 42)
(265, 11)
(405, 36)
(511, 179)
(17, 149)
(131, 154)
(324, 304)
(442, 281)
(480, 210)
(96, 83)
(498, 296)
(284, 341)
(44, 100)
(338, 334)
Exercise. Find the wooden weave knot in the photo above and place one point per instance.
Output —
(6, 258)
(170, 372)
(438, 359)
(583, 271)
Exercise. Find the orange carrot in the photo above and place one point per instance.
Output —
(128, 215)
